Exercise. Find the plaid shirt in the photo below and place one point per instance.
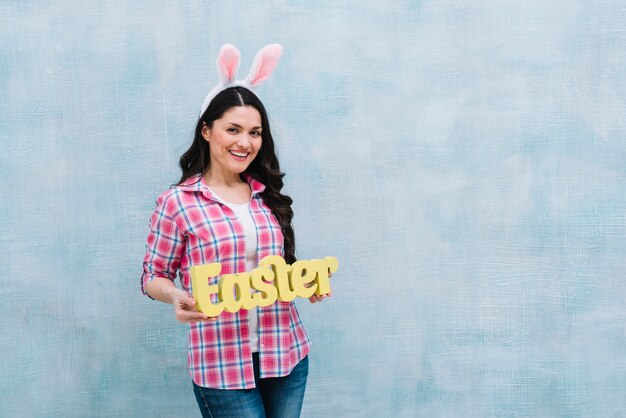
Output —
(190, 227)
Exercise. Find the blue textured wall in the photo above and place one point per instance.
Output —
(464, 160)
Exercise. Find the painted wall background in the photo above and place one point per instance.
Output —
(464, 160)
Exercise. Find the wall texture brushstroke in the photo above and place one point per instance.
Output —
(464, 160)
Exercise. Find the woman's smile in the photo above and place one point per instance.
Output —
(239, 155)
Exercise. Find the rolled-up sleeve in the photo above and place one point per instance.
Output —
(165, 243)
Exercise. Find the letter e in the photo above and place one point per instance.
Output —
(202, 291)
(302, 273)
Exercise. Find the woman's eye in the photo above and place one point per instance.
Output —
(232, 130)
(256, 133)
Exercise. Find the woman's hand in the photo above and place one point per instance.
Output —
(164, 290)
(185, 308)
(318, 298)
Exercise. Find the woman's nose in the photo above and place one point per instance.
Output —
(244, 140)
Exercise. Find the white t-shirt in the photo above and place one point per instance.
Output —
(242, 211)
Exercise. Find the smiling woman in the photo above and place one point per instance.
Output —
(228, 208)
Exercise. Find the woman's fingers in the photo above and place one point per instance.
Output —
(186, 312)
(319, 298)
(187, 316)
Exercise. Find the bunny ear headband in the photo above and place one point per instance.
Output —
(263, 66)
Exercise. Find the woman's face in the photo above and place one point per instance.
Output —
(234, 139)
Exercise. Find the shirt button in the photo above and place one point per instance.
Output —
(261, 345)
(261, 314)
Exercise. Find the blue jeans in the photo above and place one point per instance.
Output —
(274, 397)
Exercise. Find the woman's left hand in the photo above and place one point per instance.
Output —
(319, 298)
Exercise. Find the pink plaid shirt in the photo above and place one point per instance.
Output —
(190, 227)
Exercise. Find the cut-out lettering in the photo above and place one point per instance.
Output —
(273, 280)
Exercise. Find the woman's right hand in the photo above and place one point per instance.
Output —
(185, 308)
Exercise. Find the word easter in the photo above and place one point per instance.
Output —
(274, 279)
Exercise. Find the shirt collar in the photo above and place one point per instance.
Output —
(198, 184)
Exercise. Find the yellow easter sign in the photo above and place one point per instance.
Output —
(274, 280)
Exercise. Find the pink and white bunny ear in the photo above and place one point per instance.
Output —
(264, 64)
(228, 63)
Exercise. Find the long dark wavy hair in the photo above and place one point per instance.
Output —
(265, 168)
